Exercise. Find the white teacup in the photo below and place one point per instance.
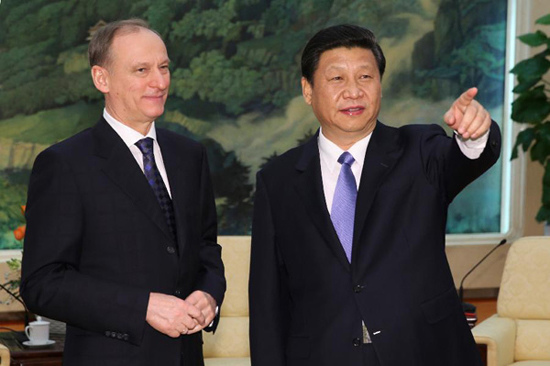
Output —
(38, 331)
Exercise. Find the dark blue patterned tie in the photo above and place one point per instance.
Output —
(343, 204)
(155, 181)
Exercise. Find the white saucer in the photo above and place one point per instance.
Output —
(49, 342)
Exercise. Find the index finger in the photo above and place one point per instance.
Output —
(466, 98)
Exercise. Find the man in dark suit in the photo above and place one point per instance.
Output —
(347, 276)
(121, 222)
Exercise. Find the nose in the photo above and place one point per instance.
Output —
(352, 90)
(160, 79)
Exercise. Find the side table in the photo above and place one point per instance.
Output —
(21, 355)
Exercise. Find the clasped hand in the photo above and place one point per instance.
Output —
(173, 316)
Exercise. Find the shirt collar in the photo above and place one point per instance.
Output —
(330, 152)
(128, 134)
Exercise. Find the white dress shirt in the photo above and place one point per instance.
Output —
(131, 136)
(329, 153)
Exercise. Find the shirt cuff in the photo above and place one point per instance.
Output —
(472, 148)
(211, 324)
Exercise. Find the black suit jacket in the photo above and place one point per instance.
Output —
(97, 244)
(307, 302)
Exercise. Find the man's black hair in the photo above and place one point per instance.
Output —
(343, 35)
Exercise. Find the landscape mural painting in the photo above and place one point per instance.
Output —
(235, 69)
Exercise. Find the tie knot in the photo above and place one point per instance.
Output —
(145, 145)
(346, 158)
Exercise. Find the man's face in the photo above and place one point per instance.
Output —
(137, 78)
(346, 94)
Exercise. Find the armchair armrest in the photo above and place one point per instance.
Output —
(499, 334)
(4, 355)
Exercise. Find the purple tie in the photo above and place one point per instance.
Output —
(343, 204)
(157, 184)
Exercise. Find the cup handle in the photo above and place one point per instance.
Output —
(27, 331)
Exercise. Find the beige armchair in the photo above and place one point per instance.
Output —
(4, 355)
(519, 334)
(229, 345)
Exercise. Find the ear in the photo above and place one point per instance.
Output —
(307, 90)
(100, 77)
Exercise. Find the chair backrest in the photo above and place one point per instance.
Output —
(231, 337)
(236, 258)
(525, 296)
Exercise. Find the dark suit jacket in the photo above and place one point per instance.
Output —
(97, 244)
(307, 302)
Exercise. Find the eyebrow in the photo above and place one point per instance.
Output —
(143, 64)
(337, 67)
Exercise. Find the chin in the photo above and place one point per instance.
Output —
(354, 128)
(154, 114)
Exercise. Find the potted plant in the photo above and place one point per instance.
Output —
(532, 108)
(14, 264)
(12, 286)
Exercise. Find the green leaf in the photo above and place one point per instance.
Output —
(544, 20)
(524, 139)
(546, 183)
(544, 211)
(14, 264)
(543, 214)
(545, 192)
(532, 67)
(543, 53)
(534, 39)
(524, 85)
(543, 132)
(539, 151)
(514, 151)
(531, 106)
(542, 136)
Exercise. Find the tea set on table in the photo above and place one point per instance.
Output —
(38, 333)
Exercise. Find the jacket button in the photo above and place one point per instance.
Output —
(356, 342)
(177, 292)
(113, 334)
(119, 335)
(171, 250)
(107, 333)
(358, 288)
(125, 337)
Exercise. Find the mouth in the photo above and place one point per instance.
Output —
(353, 111)
(154, 97)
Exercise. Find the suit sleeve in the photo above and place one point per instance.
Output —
(448, 168)
(51, 282)
(211, 277)
(268, 292)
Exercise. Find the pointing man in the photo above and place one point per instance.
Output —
(348, 262)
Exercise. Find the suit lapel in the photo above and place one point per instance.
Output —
(382, 153)
(309, 186)
(120, 166)
(179, 186)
